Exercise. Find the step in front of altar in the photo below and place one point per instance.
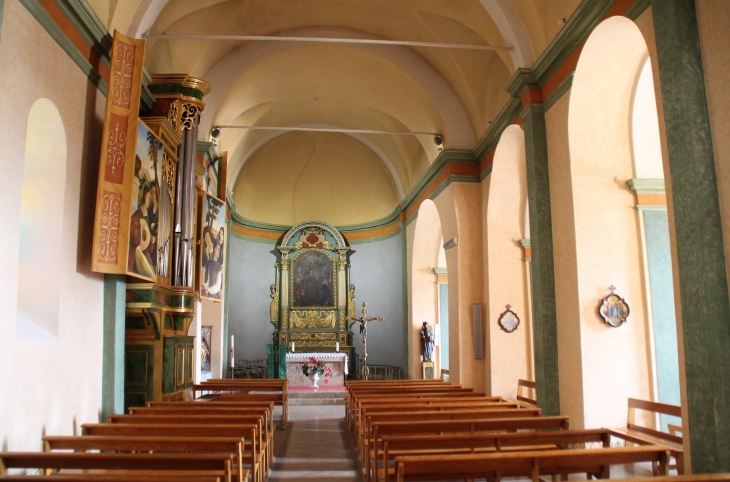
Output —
(316, 397)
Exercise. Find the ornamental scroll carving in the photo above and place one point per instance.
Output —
(115, 149)
(109, 229)
(188, 115)
(312, 319)
(123, 68)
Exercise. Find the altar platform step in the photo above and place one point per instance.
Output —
(321, 396)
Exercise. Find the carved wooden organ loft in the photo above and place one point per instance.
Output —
(145, 222)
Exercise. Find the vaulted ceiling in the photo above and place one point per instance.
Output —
(395, 88)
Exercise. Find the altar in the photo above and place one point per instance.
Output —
(337, 363)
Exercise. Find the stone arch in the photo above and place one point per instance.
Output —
(427, 240)
(614, 363)
(509, 355)
(41, 224)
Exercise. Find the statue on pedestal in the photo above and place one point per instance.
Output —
(427, 342)
(274, 308)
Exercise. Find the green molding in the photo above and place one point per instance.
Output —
(2, 9)
(373, 239)
(525, 243)
(40, 14)
(440, 272)
(504, 119)
(583, 20)
(635, 10)
(559, 92)
(520, 81)
(445, 158)
(646, 186)
(176, 89)
(85, 21)
(89, 26)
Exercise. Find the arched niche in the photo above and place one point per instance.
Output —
(41, 224)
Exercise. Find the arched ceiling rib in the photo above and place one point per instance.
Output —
(393, 88)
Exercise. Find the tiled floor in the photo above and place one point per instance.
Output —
(315, 446)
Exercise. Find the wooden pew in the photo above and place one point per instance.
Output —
(258, 456)
(275, 398)
(264, 412)
(420, 406)
(642, 435)
(404, 397)
(523, 386)
(144, 444)
(157, 464)
(365, 440)
(138, 476)
(528, 464)
(245, 432)
(391, 446)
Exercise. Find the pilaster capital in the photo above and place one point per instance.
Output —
(521, 80)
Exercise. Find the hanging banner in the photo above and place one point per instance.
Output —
(114, 196)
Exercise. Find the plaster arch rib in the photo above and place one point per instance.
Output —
(513, 31)
(458, 131)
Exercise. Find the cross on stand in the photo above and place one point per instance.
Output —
(363, 320)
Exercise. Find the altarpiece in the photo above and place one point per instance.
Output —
(310, 298)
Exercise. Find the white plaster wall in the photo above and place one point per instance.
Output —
(49, 387)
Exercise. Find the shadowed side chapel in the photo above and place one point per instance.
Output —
(449, 207)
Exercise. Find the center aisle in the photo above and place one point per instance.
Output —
(316, 445)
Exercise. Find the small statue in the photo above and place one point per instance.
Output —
(427, 341)
(274, 309)
(351, 303)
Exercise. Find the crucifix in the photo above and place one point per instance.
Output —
(363, 320)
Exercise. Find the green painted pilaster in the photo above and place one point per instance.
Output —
(542, 264)
(112, 375)
(703, 287)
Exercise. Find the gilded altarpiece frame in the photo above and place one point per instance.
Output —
(309, 298)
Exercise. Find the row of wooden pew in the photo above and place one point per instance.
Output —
(228, 435)
(430, 429)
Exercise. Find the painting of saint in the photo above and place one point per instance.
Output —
(144, 225)
(213, 248)
(313, 281)
(205, 333)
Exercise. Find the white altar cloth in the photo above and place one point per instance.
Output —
(337, 362)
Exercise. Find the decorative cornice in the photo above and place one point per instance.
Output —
(87, 24)
(525, 243)
(634, 11)
(520, 81)
(440, 272)
(586, 16)
(506, 116)
(647, 186)
(179, 84)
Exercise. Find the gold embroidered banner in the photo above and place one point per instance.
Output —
(114, 196)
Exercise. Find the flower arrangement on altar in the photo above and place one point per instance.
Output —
(314, 366)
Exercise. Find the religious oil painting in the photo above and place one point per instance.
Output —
(205, 333)
(313, 281)
(145, 205)
(212, 247)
